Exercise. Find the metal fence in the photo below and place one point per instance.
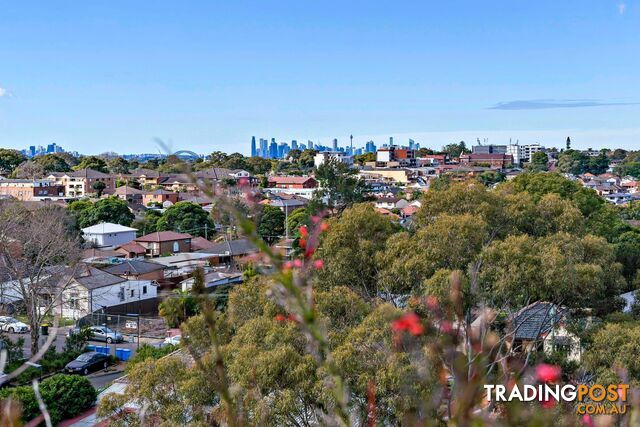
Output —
(130, 326)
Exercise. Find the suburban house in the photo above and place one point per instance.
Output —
(137, 270)
(147, 176)
(159, 196)
(292, 182)
(108, 235)
(165, 242)
(131, 250)
(336, 156)
(285, 202)
(213, 280)
(198, 243)
(129, 194)
(94, 290)
(225, 252)
(30, 189)
(541, 327)
(390, 203)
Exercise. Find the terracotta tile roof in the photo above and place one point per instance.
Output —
(163, 236)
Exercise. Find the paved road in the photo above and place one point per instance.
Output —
(100, 380)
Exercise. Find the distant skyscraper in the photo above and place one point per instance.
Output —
(51, 148)
(32, 150)
(335, 144)
(294, 144)
(390, 141)
(273, 149)
(303, 147)
(264, 148)
(412, 143)
(254, 152)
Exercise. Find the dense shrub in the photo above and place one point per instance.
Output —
(149, 352)
(65, 396)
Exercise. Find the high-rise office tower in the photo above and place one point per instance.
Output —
(412, 143)
(264, 148)
(391, 141)
(51, 148)
(335, 144)
(273, 149)
(254, 153)
(294, 144)
(303, 147)
(32, 150)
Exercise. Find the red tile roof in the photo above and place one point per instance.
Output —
(163, 236)
(290, 179)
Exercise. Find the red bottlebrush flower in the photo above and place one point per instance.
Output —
(548, 373)
(297, 263)
(308, 252)
(409, 322)
(292, 318)
(315, 219)
(304, 231)
(287, 265)
(302, 243)
(280, 317)
(324, 227)
(587, 420)
(318, 264)
(243, 181)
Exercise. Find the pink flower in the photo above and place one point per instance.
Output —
(315, 219)
(243, 181)
(432, 303)
(445, 327)
(409, 322)
(318, 264)
(548, 373)
(587, 420)
(297, 263)
(287, 265)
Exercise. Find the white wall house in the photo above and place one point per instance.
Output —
(325, 156)
(97, 290)
(109, 235)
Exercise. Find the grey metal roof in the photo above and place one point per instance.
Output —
(133, 267)
(93, 278)
(233, 247)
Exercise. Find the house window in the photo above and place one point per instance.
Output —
(176, 247)
(144, 289)
(132, 293)
(121, 294)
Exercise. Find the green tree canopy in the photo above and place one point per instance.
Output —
(187, 217)
(9, 160)
(92, 162)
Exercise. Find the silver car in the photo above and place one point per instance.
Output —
(102, 333)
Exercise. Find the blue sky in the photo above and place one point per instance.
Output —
(207, 75)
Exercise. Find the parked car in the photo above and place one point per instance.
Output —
(174, 340)
(102, 333)
(87, 362)
(12, 325)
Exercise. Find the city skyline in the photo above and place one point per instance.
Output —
(210, 75)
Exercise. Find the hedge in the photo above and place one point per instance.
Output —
(65, 396)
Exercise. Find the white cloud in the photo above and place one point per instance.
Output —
(3, 92)
(622, 8)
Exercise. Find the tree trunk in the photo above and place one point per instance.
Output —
(35, 335)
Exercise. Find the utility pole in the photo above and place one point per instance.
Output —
(351, 138)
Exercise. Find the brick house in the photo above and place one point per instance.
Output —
(292, 182)
(165, 242)
(493, 160)
(28, 189)
(159, 196)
